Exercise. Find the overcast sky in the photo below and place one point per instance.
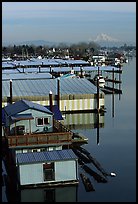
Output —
(67, 21)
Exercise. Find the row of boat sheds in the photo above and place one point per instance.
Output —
(36, 146)
(53, 65)
(33, 80)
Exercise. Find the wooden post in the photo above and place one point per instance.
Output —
(119, 85)
(97, 95)
(29, 126)
(113, 96)
(50, 69)
(58, 93)
(98, 71)
(39, 69)
(10, 91)
(97, 122)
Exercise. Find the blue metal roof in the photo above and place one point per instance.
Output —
(23, 105)
(26, 76)
(41, 87)
(3, 116)
(48, 156)
(56, 111)
(10, 71)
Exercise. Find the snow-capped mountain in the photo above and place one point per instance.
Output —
(105, 37)
(106, 40)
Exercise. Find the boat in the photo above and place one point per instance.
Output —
(100, 79)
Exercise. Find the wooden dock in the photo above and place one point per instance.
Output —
(87, 183)
(99, 178)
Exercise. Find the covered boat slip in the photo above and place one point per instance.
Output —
(71, 94)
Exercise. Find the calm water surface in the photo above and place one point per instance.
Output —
(116, 151)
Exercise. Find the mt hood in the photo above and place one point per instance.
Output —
(105, 38)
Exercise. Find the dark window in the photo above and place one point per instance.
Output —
(42, 121)
(48, 170)
(39, 121)
(46, 121)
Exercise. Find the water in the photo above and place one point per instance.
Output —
(116, 151)
(117, 146)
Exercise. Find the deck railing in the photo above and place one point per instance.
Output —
(38, 139)
(61, 135)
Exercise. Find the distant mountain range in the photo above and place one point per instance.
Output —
(108, 41)
(101, 39)
(34, 42)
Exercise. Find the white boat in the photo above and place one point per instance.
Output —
(101, 80)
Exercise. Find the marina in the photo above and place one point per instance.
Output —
(68, 126)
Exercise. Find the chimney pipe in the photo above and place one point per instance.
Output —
(50, 101)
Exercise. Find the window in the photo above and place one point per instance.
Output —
(34, 150)
(43, 149)
(42, 121)
(48, 170)
(39, 121)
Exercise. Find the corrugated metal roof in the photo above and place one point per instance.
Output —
(7, 64)
(10, 71)
(26, 76)
(22, 105)
(41, 87)
(55, 155)
(60, 69)
(44, 61)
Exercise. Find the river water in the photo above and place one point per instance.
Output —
(116, 151)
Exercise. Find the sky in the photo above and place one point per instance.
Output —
(68, 21)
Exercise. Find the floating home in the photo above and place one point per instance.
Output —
(70, 94)
(57, 167)
(25, 117)
(30, 127)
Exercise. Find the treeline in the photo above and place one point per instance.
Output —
(80, 50)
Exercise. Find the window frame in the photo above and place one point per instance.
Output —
(43, 121)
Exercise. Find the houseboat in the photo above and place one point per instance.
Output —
(59, 167)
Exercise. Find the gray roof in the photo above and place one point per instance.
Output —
(41, 87)
(55, 155)
(44, 61)
(60, 69)
(26, 76)
(22, 105)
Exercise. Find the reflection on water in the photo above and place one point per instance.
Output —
(84, 120)
(56, 194)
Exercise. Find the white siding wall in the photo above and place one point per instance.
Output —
(31, 174)
(76, 104)
(65, 170)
